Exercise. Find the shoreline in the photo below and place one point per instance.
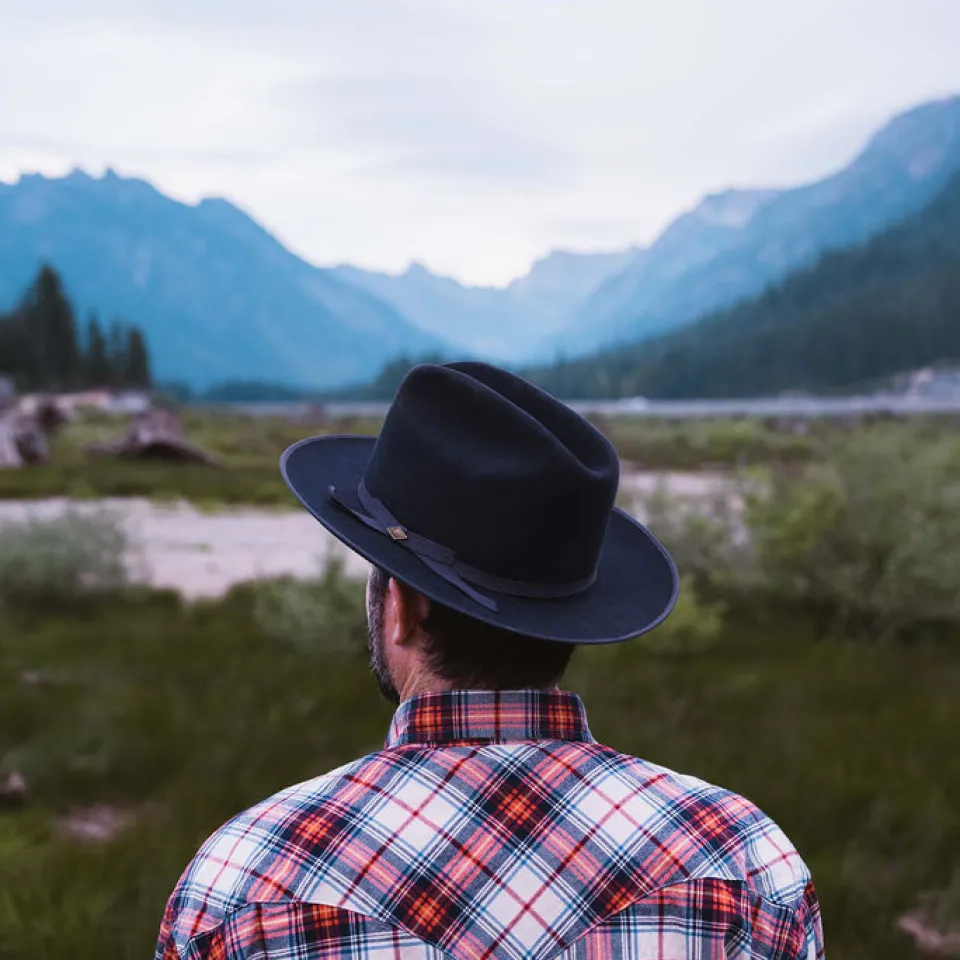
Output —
(202, 553)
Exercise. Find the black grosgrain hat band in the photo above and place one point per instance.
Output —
(443, 561)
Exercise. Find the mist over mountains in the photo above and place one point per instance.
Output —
(736, 243)
(505, 323)
(220, 299)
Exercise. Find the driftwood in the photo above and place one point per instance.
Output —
(9, 448)
(928, 938)
(155, 435)
(25, 437)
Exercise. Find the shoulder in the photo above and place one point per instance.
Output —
(711, 832)
(257, 855)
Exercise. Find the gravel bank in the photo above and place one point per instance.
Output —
(203, 554)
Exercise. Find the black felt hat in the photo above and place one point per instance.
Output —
(489, 496)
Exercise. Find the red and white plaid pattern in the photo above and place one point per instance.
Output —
(494, 825)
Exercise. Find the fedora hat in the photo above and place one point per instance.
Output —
(492, 497)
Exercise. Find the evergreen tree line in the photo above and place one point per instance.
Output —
(858, 316)
(42, 348)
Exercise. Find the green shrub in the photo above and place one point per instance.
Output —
(704, 535)
(64, 557)
(872, 534)
(868, 536)
(311, 616)
(696, 444)
(693, 627)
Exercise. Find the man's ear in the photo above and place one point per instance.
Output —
(408, 609)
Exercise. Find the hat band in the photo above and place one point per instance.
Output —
(444, 562)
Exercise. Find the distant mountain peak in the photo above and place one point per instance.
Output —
(567, 274)
(417, 268)
(78, 175)
(919, 140)
(560, 258)
(218, 203)
(28, 177)
(733, 207)
(227, 211)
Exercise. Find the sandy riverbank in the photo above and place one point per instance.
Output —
(204, 554)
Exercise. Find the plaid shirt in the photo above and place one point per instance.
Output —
(493, 825)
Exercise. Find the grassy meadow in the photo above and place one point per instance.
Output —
(249, 447)
(813, 665)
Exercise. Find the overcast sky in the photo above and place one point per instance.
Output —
(473, 135)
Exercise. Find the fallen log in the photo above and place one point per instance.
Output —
(155, 435)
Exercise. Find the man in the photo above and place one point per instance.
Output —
(492, 824)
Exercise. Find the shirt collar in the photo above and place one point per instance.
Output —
(489, 715)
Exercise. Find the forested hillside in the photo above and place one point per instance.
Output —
(42, 347)
(859, 314)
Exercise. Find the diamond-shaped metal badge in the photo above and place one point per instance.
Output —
(397, 533)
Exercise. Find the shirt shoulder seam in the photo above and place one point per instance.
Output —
(294, 902)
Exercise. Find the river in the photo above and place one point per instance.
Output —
(203, 553)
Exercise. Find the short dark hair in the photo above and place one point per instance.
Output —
(471, 654)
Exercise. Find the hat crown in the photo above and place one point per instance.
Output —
(512, 480)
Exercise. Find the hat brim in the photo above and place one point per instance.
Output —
(635, 590)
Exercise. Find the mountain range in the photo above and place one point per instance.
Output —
(503, 323)
(857, 317)
(217, 296)
(736, 243)
(220, 299)
(731, 246)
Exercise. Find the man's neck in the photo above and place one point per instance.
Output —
(420, 683)
(417, 686)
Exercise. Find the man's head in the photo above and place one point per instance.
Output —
(497, 500)
(417, 645)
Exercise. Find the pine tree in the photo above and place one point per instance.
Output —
(117, 353)
(137, 372)
(52, 329)
(12, 345)
(98, 370)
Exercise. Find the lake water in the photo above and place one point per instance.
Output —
(801, 407)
